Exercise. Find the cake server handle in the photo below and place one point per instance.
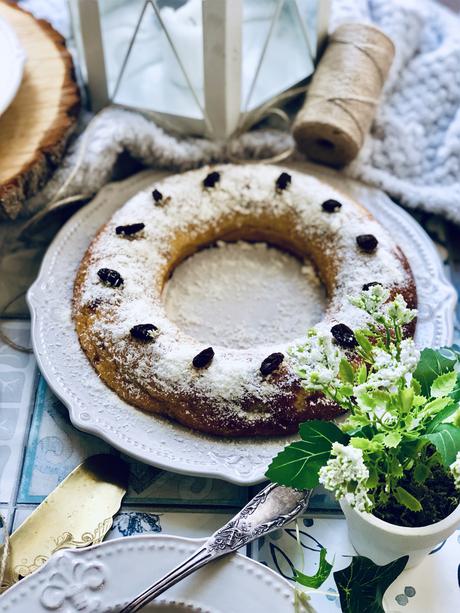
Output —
(272, 508)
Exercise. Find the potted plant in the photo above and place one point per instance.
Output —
(394, 460)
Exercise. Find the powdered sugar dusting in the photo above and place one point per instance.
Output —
(241, 294)
(244, 197)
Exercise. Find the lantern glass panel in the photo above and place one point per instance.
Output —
(153, 53)
(277, 50)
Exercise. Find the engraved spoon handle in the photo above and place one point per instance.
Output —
(272, 508)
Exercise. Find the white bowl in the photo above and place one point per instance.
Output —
(383, 542)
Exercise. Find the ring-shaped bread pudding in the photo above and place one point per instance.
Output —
(147, 360)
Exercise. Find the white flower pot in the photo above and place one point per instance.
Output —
(383, 542)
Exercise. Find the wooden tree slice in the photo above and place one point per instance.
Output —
(35, 128)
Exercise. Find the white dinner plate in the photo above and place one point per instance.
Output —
(94, 408)
(106, 577)
(12, 61)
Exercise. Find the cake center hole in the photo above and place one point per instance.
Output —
(244, 294)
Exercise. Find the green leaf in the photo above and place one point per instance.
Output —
(443, 385)
(407, 398)
(446, 439)
(298, 464)
(317, 432)
(373, 479)
(432, 363)
(316, 580)
(421, 473)
(416, 386)
(435, 406)
(346, 391)
(363, 584)
(362, 374)
(406, 499)
(365, 444)
(441, 416)
(346, 371)
(392, 439)
(363, 342)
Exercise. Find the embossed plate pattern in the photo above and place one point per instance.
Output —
(96, 409)
(107, 576)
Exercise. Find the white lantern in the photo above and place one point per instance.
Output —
(200, 66)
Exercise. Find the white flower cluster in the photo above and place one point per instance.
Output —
(389, 368)
(317, 361)
(374, 302)
(398, 313)
(346, 475)
(371, 300)
(455, 470)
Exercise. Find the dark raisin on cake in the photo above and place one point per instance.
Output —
(331, 205)
(129, 229)
(211, 179)
(344, 336)
(283, 181)
(271, 363)
(367, 286)
(367, 242)
(157, 196)
(144, 332)
(110, 277)
(204, 358)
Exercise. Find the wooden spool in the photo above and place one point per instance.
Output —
(34, 130)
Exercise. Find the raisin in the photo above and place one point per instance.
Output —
(204, 358)
(367, 286)
(344, 336)
(283, 181)
(157, 195)
(211, 179)
(367, 242)
(330, 206)
(144, 332)
(271, 363)
(129, 229)
(110, 277)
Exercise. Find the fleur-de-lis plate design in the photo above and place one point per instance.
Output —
(75, 584)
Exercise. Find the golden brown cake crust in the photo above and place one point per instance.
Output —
(230, 397)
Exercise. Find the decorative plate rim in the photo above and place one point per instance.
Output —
(20, 57)
(70, 565)
(239, 462)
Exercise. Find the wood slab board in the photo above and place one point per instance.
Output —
(34, 130)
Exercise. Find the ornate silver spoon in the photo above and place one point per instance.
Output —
(272, 508)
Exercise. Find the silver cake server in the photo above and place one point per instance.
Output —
(272, 508)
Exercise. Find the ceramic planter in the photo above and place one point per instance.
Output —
(383, 542)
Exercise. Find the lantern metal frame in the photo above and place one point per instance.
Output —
(222, 111)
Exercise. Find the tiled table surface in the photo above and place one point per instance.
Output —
(39, 447)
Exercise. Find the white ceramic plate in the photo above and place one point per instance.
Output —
(106, 577)
(96, 409)
(12, 63)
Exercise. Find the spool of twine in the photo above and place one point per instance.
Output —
(344, 94)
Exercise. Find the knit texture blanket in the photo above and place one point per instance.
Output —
(412, 152)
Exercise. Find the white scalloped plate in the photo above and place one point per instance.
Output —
(94, 408)
(13, 59)
(106, 577)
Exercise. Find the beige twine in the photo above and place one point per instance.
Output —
(344, 93)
